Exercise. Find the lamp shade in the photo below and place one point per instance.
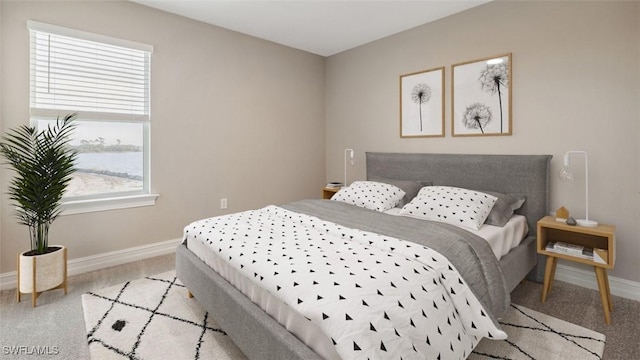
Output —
(348, 153)
(566, 174)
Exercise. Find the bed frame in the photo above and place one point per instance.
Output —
(259, 336)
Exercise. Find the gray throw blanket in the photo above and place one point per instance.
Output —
(470, 254)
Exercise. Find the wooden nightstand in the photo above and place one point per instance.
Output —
(600, 238)
(328, 192)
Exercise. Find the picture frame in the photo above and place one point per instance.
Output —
(481, 97)
(422, 103)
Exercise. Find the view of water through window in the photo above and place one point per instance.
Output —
(110, 157)
(122, 164)
(107, 172)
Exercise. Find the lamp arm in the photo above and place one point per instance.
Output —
(586, 186)
(345, 164)
(587, 222)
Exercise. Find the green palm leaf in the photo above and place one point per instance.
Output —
(44, 164)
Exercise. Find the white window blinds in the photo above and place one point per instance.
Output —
(98, 76)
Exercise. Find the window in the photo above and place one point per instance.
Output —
(106, 82)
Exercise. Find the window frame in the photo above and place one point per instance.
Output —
(105, 200)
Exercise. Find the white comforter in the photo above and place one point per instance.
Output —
(374, 296)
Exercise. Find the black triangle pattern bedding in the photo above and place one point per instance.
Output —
(373, 296)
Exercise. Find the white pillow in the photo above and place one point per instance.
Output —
(370, 195)
(456, 206)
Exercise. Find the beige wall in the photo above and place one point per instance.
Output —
(238, 117)
(576, 85)
(232, 116)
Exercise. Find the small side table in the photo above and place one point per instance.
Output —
(327, 192)
(600, 238)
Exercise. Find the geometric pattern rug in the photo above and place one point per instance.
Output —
(152, 318)
(533, 335)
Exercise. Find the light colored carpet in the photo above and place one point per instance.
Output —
(152, 318)
(57, 322)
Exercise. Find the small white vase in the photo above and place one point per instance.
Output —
(39, 273)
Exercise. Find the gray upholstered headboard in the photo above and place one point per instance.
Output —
(519, 174)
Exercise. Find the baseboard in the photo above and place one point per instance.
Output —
(102, 261)
(619, 287)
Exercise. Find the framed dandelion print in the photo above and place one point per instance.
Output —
(481, 97)
(422, 104)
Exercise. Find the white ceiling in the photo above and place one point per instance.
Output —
(318, 26)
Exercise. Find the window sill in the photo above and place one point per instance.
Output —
(124, 202)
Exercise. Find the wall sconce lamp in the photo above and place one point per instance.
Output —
(566, 175)
(352, 161)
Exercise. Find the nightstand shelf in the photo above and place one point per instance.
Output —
(600, 238)
(327, 192)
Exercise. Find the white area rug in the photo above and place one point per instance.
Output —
(533, 335)
(152, 318)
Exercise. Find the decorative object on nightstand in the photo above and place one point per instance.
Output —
(593, 246)
(562, 214)
(567, 175)
(352, 161)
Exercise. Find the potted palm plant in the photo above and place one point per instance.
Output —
(43, 163)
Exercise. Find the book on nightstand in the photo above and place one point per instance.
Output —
(570, 249)
(334, 185)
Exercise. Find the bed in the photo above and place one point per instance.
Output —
(261, 337)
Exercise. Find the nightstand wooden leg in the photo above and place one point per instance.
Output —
(606, 282)
(601, 275)
(549, 274)
(553, 272)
